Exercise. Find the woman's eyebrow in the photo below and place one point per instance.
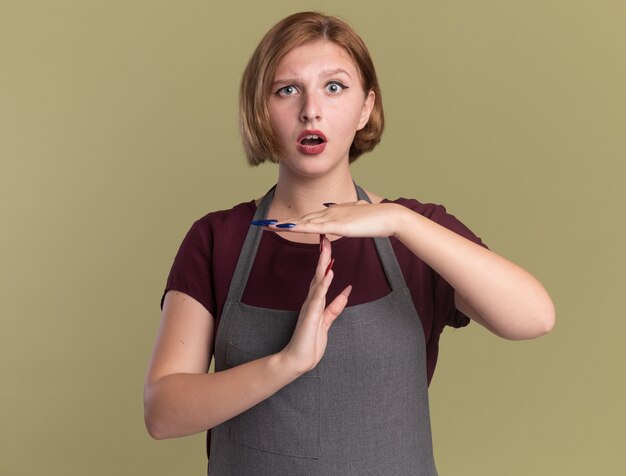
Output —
(333, 72)
(285, 81)
(324, 74)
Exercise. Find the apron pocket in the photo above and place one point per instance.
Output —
(287, 423)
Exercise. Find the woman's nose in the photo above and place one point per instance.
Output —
(310, 108)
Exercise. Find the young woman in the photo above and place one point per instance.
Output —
(330, 375)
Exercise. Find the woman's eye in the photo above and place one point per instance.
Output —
(335, 87)
(286, 91)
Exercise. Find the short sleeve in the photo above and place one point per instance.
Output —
(191, 270)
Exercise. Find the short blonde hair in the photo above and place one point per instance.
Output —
(293, 31)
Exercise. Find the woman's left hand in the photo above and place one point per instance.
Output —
(355, 219)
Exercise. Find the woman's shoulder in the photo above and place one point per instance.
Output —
(223, 223)
(241, 213)
(429, 210)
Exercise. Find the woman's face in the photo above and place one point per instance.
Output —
(317, 104)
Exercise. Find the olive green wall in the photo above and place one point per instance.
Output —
(118, 129)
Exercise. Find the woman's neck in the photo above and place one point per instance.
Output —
(297, 196)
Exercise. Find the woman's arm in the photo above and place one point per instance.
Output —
(180, 398)
(489, 289)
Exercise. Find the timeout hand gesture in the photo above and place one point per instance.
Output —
(308, 343)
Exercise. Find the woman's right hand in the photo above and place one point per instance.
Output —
(308, 343)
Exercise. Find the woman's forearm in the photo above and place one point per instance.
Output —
(179, 403)
(489, 288)
(185, 403)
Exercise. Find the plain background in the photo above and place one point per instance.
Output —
(118, 128)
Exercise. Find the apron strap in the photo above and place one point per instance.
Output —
(385, 252)
(248, 251)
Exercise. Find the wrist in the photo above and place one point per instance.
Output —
(400, 220)
(285, 366)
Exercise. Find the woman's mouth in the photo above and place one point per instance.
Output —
(311, 142)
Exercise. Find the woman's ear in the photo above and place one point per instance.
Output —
(366, 110)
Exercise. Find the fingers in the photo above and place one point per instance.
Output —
(337, 306)
(312, 313)
(321, 279)
(310, 223)
(283, 225)
(342, 219)
(325, 258)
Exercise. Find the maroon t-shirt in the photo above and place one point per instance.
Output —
(282, 270)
